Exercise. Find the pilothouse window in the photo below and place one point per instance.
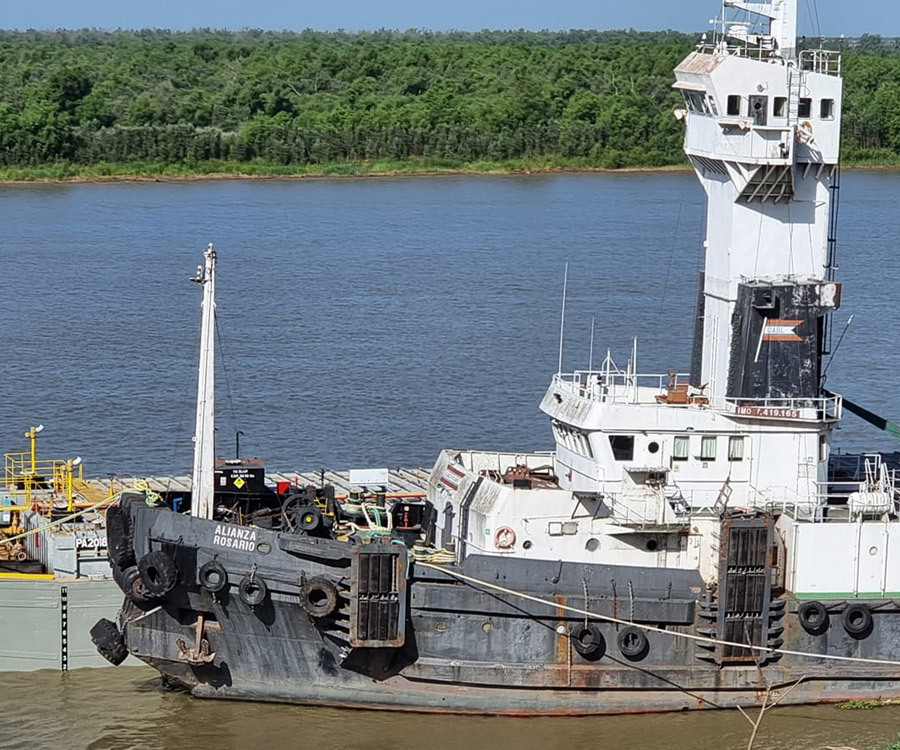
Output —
(826, 109)
(708, 448)
(779, 108)
(696, 102)
(734, 104)
(736, 448)
(622, 447)
(805, 109)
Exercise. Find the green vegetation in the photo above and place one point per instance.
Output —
(866, 705)
(96, 104)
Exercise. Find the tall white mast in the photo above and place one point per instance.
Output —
(204, 433)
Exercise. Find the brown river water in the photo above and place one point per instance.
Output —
(128, 708)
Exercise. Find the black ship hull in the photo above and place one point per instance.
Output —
(245, 613)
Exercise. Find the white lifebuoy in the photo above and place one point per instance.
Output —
(504, 537)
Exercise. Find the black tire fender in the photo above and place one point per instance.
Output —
(120, 536)
(109, 642)
(253, 590)
(813, 617)
(857, 620)
(213, 576)
(318, 596)
(158, 572)
(633, 643)
(588, 641)
(129, 581)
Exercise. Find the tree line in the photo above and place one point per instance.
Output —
(598, 98)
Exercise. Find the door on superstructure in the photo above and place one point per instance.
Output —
(759, 109)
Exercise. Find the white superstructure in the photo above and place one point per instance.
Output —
(646, 466)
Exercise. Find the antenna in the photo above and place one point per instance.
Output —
(562, 322)
(591, 355)
(838, 346)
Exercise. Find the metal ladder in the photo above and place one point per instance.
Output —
(795, 91)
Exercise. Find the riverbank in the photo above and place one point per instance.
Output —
(229, 170)
(225, 170)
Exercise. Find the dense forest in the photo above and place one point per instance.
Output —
(200, 99)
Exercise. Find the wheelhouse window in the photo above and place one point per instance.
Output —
(696, 102)
(708, 448)
(734, 104)
(805, 108)
(779, 108)
(681, 448)
(622, 447)
(736, 448)
(712, 106)
(826, 109)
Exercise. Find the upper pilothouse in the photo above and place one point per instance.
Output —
(763, 134)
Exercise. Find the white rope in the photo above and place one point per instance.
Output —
(651, 628)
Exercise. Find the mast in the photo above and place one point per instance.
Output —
(204, 433)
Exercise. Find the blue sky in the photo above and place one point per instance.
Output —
(836, 16)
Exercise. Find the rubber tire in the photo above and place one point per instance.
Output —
(253, 591)
(120, 537)
(109, 642)
(633, 643)
(213, 576)
(318, 597)
(159, 573)
(813, 617)
(857, 620)
(588, 641)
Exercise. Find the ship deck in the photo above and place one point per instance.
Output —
(401, 482)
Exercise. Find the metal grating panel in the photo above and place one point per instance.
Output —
(744, 587)
(378, 596)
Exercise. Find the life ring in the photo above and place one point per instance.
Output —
(813, 617)
(158, 572)
(109, 642)
(504, 537)
(805, 130)
(253, 590)
(857, 620)
(213, 576)
(588, 641)
(318, 596)
(633, 643)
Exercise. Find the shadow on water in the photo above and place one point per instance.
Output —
(128, 708)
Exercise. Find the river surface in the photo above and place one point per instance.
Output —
(126, 708)
(373, 323)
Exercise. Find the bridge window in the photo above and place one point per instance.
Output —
(712, 106)
(622, 447)
(708, 448)
(826, 109)
(734, 104)
(736, 448)
(696, 101)
(805, 109)
(780, 109)
(681, 448)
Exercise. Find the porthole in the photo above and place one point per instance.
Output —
(653, 447)
(652, 545)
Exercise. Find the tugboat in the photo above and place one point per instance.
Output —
(691, 543)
